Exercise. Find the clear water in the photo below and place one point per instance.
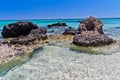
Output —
(59, 62)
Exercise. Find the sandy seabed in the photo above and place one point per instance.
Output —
(59, 62)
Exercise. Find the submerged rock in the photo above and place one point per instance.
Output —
(57, 25)
(91, 33)
(17, 29)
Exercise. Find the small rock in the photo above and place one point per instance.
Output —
(57, 25)
(71, 31)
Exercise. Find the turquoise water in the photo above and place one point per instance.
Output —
(109, 23)
(58, 62)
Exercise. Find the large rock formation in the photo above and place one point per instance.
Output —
(17, 29)
(57, 25)
(91, 33)
(24, 33)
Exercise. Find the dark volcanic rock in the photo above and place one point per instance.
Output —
(22, 40)
(39, 33)
(35, 34)
(70, 31)
(91, 24)
(57, 25)
(91, 39)
(17, 29)
(91, 33)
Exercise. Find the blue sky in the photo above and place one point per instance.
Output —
(47, 9)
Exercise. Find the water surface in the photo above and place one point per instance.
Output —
(59, 62)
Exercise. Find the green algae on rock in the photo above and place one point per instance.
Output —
(21, 59)
(106, 50)
(83, 49)
(16, 54)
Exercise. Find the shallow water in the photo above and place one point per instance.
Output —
(58, 62)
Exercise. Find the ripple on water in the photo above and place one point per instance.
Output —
(113, 32)
(56, 62)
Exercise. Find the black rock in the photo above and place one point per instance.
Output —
(57, 25)
(17, 29)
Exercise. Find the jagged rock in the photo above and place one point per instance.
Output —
(57, 25)
(35, 34)
(39, 33)
(91, 33)
(70, 31)
(91, 24)
(17, 29)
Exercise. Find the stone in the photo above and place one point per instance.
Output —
(17, 29)
(57, 25)
(39, 33)
(91, 33)
(91, 24)
(35, 34)
(70, 31)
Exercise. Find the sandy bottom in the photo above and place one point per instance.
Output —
(58, 62)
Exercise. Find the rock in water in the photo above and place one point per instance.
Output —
(91, 33)
(39, 33)
(57, 25)
(35, 34)
(70, 31)
(17, 29)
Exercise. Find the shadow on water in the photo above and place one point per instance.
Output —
(36, 51)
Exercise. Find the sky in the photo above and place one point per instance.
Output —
(52, 9)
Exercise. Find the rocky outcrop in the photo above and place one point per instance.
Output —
(35, 34)
(14, 51)
(91, 33)
(57, 25)
(17, 29)
(91, 24)
(70, 31)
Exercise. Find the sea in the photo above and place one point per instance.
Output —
(59, 62)
(111, 25)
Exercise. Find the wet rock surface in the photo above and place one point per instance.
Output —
(91, 33)
(17, 29)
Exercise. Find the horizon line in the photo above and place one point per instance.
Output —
(59, 18)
